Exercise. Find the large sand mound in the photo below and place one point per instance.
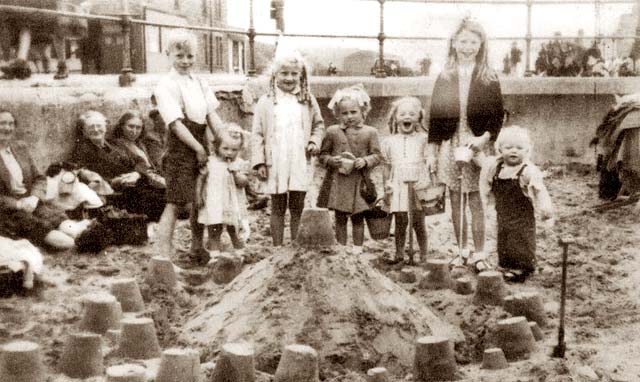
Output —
(337, 303)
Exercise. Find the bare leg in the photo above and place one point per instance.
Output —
(357, 226)
(296, 205)
(24, 44)
(46, 58)
(455, 198)
(58, 45)
(477, 221)
(197, 231)
(341, 227)
(166, 226)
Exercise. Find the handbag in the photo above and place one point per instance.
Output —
(367, 188)
(432, 197)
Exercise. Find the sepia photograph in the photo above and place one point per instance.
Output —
(319, 190)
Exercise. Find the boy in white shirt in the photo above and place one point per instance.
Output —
(187, 105)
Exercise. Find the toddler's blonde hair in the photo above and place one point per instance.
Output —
(515, 132)
(291, 57)
(392, 120)
(231, 132)
(355, 93)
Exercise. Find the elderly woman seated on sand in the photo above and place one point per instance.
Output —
(123, 162)
(24, 209)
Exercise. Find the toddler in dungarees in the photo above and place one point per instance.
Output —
(515, 185)
(187, 105)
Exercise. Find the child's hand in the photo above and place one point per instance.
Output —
(312, 149)
(28, 204)
(478, 143)
(388, 189)
(360, 163)
(262, 172)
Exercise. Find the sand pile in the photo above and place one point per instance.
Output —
(353, 315)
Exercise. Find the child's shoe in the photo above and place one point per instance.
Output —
(74, 228)
(479, 262)
(356, 250)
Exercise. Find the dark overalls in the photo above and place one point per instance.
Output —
(516, 223)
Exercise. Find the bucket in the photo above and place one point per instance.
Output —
(378, 223)
(346, 166)
(347, 163)
(431, 199)
(462, 154)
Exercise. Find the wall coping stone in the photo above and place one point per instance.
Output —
(323, 87)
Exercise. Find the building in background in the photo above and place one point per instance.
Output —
(627, 25)
(218, 52)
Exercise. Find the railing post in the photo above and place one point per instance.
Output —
(527, 55)
(251, 72)
(380, 72)
(126, 74)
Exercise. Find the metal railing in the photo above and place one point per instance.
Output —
(126, 20)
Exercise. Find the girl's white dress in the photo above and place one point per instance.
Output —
(224, 202)
(406, 153)
(290, 170)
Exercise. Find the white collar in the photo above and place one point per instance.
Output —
(294, 93)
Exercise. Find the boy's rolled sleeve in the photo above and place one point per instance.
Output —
(168, 106)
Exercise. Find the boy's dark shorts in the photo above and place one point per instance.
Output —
(180, 172)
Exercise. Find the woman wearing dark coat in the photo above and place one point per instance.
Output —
(125, 171)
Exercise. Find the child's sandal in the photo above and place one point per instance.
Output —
(480, 266)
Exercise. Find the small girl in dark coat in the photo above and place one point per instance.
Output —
(349, 151)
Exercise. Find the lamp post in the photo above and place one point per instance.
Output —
(380, 72)
(126, 77)
(252, 43)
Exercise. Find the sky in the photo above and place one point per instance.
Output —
(361, 17)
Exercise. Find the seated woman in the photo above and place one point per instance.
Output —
(139, 188)
(23, 211)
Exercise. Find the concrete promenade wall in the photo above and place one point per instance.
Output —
(562, 113)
